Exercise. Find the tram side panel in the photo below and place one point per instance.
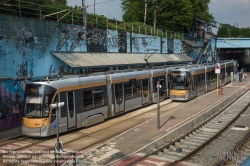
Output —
(130, 91)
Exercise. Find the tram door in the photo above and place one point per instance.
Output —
(145, 91)
(71, 117)
(118, 97)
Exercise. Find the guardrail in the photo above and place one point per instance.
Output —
(72, 15)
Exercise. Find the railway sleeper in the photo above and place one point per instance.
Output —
(198, 141)
(214, 127)
(175, 155)
(203, 136)
(207, 130)
(186, 146)
(219, 122)
(193, 143)
(206, 133)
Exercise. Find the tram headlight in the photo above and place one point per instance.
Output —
(44, 121)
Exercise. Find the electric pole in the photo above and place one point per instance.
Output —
(84, 14)
(145, 14)
(154, 7)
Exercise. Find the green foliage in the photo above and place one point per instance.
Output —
(173, 15)
(227, 30)
(245, 32)
(167, 15)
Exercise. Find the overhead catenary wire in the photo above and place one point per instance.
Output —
(99, 3)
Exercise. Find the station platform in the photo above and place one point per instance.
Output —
(144, 138)
(12, 133)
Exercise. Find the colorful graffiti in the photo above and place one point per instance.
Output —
(26, 37)
(11, 104)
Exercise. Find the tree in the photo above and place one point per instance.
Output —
(62, 2)
(227, 30)
(173, 15)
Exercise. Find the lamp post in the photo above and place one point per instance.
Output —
(154, 7)
(158, 104)
(58, 145)
(84, 13)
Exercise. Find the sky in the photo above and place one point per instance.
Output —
(233, 12)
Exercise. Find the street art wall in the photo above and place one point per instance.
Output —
(25, 52)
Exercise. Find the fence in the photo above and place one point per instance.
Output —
(72, 15)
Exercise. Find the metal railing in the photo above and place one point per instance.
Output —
(72, 15)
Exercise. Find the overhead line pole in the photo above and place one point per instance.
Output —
(84, 14)
(154, 7)
(145, 14)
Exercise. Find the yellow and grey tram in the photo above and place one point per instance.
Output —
(89, 100)
(191, 81)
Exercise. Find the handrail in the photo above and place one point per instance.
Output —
(23, 8)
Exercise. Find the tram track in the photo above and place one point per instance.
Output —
(85, 156)
(94, 132)
(238, 153)
(191, 142)
(88, 133)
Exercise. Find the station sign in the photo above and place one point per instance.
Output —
(217, 70)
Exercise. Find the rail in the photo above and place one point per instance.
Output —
(235, 148)
(172, 143)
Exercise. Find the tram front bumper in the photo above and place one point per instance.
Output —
(34, 132)
(180, 97)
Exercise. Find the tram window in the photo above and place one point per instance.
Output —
(162, 82)
(71, 103)
(136, 89)
(99, 99)
(179, 83)
(118, 93)
(195, 80)
(54, 110)
(188, 83)
(128, 91)
(64, 109)
(87, 100)
(145, 87)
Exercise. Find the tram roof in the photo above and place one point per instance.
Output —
(78, 60)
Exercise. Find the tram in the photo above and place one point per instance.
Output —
(89, 100)
(191, 81)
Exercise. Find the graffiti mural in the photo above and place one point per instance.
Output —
(170, 44)
(80, 36)
(97, 41)
(11, 104)
(177, 46)
(26, 37)
(135, 44)
(122, 42)
(69, 34)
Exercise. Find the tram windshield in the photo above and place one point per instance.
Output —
(37, 101)
(179, 80)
